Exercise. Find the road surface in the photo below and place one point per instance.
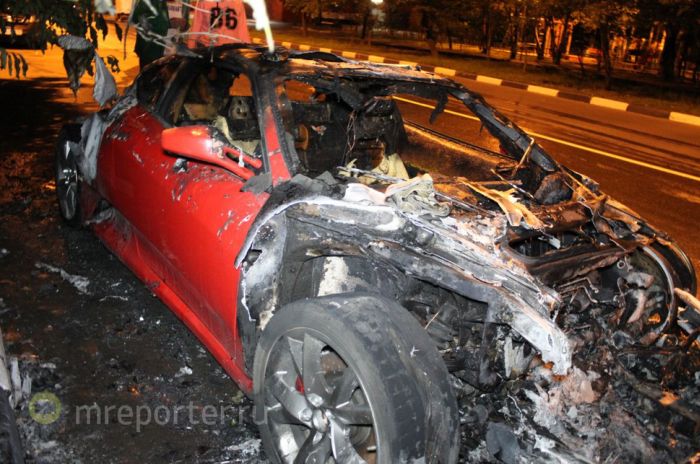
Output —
(650, 164)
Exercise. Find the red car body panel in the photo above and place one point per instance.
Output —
(180, 231)
(278, 167)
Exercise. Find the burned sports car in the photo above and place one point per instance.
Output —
(382, 290)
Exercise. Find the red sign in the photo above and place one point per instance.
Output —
(217, 23)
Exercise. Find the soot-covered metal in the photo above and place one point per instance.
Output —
(567, 323)
(552, 305)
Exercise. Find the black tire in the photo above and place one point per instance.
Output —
(442, 411)
(68, 176)
(364, 341)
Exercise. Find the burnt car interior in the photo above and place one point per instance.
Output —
(365, 127)
(223, 100)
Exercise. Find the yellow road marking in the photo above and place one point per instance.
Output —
(489, 80)
(542, 90)
(684, 118)
(607, 103)
(445, 71)
(606, 154)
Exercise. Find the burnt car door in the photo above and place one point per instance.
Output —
(193, 216)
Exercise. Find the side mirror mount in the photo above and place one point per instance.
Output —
(200, 143)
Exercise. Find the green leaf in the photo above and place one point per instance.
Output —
(113, 62)
(93, 36)
(25, 66)
(18, 65)
(101, 25)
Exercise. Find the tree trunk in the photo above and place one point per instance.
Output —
(557, 49)
(304, 24)
(682, 55)
(515, 34)
(539, 45)
(489, 31)
(561, 48)
(365, 24)
(432, 44)
(485, 26)
(549, 26)
(431, 35)
(319, 7)
(605, 50)
(668, 55)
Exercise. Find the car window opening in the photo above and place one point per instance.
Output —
(224, 101)
(387, 136)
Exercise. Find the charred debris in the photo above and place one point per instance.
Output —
(567, 322)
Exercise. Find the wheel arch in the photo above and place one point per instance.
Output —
(290, 247)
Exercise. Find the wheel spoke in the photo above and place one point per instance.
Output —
(353, 414)
(312, 373)
(343, 450)
(69, 201)
(71, 192)
(296, 348)
(289, 398)
(66, 150)
(316, 449)
(279, 415)
(345, 386)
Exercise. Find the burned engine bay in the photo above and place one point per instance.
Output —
(568, 323)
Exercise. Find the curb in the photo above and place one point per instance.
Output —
(550, 92)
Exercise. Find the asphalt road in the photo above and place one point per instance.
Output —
(650, 164)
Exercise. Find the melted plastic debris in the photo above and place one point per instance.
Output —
(249, 448)
(185, 370)
(79, 282)
(622, 402)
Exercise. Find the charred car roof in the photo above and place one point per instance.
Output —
(315, 63)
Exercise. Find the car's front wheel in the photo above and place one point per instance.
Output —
(67, 175)
(335, 377)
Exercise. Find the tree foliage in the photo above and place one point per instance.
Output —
(50, 19)
(608, 18)
(510, 22)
